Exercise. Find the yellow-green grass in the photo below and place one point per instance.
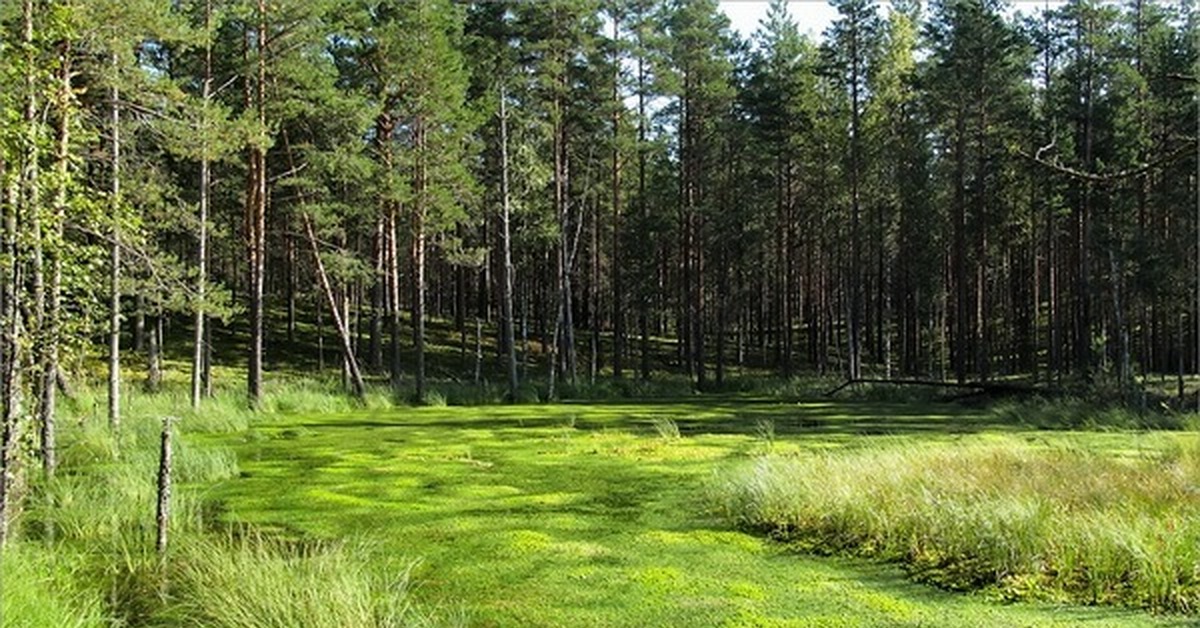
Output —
(597, 514)
(1062, 519)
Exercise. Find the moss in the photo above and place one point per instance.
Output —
(582, 514)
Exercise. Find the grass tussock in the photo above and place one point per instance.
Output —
(256, 582)
(1024, 521)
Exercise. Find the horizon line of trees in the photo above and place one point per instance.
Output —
(946, 190)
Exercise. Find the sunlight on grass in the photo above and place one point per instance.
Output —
(1028, 520)
(594, 514)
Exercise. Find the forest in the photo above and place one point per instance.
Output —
(229, 218)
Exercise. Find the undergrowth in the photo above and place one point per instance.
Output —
(1024, 521)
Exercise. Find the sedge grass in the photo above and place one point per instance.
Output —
(258, 582)
(1025, 521)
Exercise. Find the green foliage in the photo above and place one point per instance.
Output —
(1087, 414)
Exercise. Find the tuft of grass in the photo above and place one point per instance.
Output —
(666, 427)
(258, 582)
(764, 430)
(433, 399)
(1026, 521)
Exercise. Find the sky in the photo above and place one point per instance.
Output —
(812, 16)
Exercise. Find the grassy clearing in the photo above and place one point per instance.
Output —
(1064, 522)
(589, 514)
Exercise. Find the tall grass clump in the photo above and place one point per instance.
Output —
(1025, 521)
(666, 428)
(257, 582)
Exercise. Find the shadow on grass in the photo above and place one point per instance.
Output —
(749, 417)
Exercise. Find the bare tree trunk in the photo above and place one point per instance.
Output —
(114, 287)
(320, 337)
(202, 237)
(394, 295)
(594, 297)
(378, 288)
(47, 408)
(618, 272)
(351, 362)
(478, 350)
(418, 262)
(256, 212)
(856, 274)
(154, 354)
(506, 244)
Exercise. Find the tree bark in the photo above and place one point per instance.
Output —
(256, 211)
(356, 380)
(418, 260)
(506, 244)
(198, 337)
(114, 286)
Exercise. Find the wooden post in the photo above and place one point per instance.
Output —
(164, 487)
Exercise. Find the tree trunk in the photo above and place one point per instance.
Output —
(356, 381)
(418, 261)
(114, 286)
(394, 295)
(618, 272)
(508, 340)
(256, 211)
(154, 354)
(202, 237)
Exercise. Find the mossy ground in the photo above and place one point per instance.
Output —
(594, 515)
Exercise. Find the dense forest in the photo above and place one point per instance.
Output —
(952, 190)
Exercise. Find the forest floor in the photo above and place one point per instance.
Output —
(596, 514)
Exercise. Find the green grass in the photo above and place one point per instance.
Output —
(83, 547)
(257, 582)
(596, 513)
(1057, 519)
(38, 588)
